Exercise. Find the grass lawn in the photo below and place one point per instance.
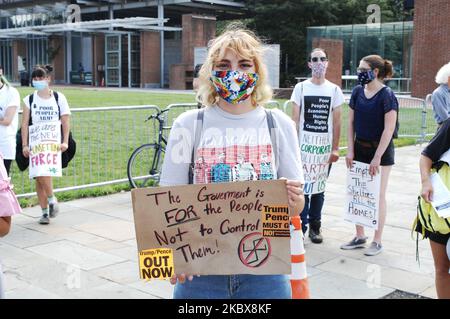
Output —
(106, 139)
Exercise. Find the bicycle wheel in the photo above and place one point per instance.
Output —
(144, 165)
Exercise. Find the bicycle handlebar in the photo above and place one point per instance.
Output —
(157, 115)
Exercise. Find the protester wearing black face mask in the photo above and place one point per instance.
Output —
(372, 126)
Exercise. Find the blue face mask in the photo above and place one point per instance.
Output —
(366, 77)
(40, 85)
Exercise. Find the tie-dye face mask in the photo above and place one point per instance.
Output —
(234, 86)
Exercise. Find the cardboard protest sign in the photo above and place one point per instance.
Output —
(213, 229)
(363, 196)
(45, 149)
(316, 142)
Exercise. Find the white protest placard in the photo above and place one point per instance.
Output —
(363, 195)
(45, 150)
(441, 196)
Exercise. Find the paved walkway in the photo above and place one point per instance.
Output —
(97, 235)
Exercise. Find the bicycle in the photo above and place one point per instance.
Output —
(144, 164)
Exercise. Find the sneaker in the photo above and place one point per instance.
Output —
(374, 249)
(355, 243)
(53, 209)
(44, 220)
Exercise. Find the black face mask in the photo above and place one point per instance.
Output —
(366, 77)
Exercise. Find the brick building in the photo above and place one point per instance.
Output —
(122, 43)
(431, 48)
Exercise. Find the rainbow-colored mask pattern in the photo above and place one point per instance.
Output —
(234, 86)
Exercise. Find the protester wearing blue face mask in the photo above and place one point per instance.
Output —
(372, 126)
(46, 106)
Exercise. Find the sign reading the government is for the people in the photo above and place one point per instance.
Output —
(213, 229)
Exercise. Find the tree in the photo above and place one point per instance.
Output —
(286, 22)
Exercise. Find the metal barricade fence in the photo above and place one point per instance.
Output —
(415, 119)
(430, 125)
(105, 137)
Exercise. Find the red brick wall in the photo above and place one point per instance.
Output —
(150, 58)
(98, 54)
(197, 32)
(335, 51)
(58, 61)
(431, 43)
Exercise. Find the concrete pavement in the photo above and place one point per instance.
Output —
(89, 250)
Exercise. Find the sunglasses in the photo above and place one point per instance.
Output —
(360, 70)
(316, 59)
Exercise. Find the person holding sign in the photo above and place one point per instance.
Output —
(9, 119)
(45, 106)
(234, 136)
(317, 113)
(371, 128)
(437, 156)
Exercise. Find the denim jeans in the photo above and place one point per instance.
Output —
(235, 287)
(312, 210)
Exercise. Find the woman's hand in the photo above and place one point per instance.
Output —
(427, 191)
(374, 167)
(349, 159)
(26, 151)
(64, 147)
(296, 198)
(181, 278)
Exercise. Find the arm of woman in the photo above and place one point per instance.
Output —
(427, 188)
(390, 118)
(9, 116)
(5, 225)
(25, 121)
(350, 139)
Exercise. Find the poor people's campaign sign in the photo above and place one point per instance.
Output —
(363, 196)
(213, 229)
(45, 149)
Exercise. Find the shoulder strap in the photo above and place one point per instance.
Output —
(30, 102)
(198, 133)
(272, 132)
(55, 94)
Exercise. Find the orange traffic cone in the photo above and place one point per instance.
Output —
(299, 281)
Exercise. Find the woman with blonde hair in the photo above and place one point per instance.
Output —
(233, 87)
(440, 99)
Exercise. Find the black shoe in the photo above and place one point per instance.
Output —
(314, 232)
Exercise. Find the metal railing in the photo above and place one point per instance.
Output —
(398, 85)
(106, 137)
(415, 118)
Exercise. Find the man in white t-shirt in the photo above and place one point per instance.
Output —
(9, 109)
(317, 114)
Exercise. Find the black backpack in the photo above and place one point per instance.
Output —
(66, 157)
